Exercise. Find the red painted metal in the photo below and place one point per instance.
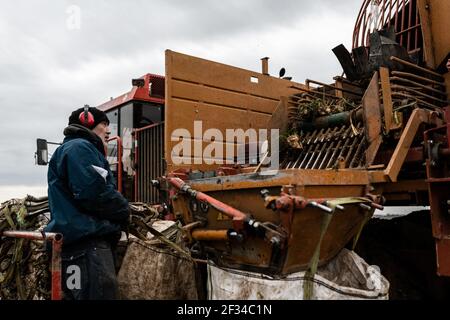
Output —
(56, 268)
(181, 173)
(119, 161)
(148, 162)
(439, 195)
(239, 218)
(227, 171)
(137, 93)
(148, 127)
(57, 241)
(404, 14)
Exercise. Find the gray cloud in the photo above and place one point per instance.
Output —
(47, 70)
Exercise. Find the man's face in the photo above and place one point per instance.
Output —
(102, 130)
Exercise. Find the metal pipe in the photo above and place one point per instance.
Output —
(326, 155)
(32, 235)
(403, 24)
(336, 119)
(416, 31)
(414, 76)
(412, 65)
(315, 92)
(36, 199)
(418, 85)
(305, 158)
(200, 261)
(342, 79)
(149, 126)
(357, 153)
(313, 154)
(319, 156)
(397, 2)
(308, 81)
(57, 241)
(424, 103)
(192, 225)
(238, 217)
(409, 29)
(210, 235)
(330, 162)
(350, 151)
(265, 66)
(409, 25)
(56, 268)
(342, 153)
(320, 206)
(34, 207)
(423, 95)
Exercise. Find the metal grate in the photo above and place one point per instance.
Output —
(150, 160)
(403, 15)
(157, 86)
(339, 147)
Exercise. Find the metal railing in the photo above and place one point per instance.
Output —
(403, 15)
(149, 161)
(57, 241)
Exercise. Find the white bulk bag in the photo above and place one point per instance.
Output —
(346, 277)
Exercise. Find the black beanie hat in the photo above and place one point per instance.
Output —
(99, 116)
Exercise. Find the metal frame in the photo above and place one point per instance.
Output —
(119, 161)
(136, 135)
(57, 241)
(439, 196)
(136, 93)
(399, 13)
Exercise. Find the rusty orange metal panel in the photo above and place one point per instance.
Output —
(221, 96)
(306, 229)
(428, 43)
(417, 117)
(244, 193)
(372, 118)
(387, 98)
(294, 177)
(280, 119)
(438, 11)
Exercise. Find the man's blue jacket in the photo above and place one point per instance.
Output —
(83, 203)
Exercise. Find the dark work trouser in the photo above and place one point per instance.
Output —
(88, 271)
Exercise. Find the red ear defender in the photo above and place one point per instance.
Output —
(86, 118)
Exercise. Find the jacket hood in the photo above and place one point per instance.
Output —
(75, 131)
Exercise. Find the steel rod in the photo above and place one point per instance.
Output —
(412, 75)
(423, 95)
(412, 65)
(398, 79)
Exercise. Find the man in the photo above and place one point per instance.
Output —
(85, 207)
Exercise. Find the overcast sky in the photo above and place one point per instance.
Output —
(56, 56)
